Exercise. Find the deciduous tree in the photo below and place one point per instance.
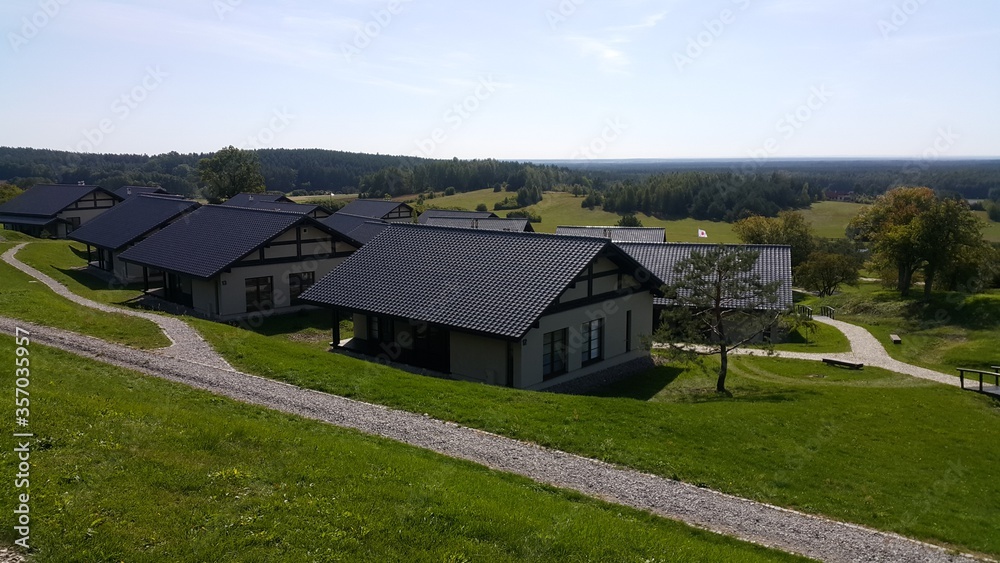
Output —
(789, 227)
(229, 172)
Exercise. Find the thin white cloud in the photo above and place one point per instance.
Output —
(609, 58)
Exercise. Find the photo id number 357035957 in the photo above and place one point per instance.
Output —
(22, 436)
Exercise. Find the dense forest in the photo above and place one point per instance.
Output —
(704, 189)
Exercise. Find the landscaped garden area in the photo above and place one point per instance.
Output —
(870, 447)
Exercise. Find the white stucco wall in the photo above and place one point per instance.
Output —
(234, 289)
(614, 312)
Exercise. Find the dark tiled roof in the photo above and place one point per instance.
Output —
(250, 200)
(130, 220)
(617, 234)
(486, 282)
(129, 191)
(373, 208)
(357, 229)
(486, 224)
(27, 220)
(299, 208)
(47, 200)
(452, 213)
(773, 264)
(213, 238)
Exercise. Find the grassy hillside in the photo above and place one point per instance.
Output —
(131, 468)
(797, 434)
(23, 298)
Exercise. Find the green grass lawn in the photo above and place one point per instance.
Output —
(822, 340)
(64, 260)
(131, 468)
(21, 297)
(952, 330)
(14, 236)
(991, 230)
(869, 447)
(561, 208)
(829, 219)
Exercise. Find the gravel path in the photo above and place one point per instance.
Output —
(186, 343)
(783, 529)
(866, 349)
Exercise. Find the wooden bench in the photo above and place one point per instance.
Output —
(843, 363)
(895, 339)
(981, 373)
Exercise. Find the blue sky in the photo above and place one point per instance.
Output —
(547, 79)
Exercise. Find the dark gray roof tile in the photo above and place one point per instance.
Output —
(774, 263)
(489, 282)
(213, 238)
(47, 200)
(616, 234)
(130, 220)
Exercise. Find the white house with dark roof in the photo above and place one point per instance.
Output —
(517, 309)
(55, 210)
(454, 214)
(485, 223)
(228, 262)
(617, 234)
(381, 209)
(126, 224)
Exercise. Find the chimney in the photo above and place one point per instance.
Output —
(251, 197)
(128, 191)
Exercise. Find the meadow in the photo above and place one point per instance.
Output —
(130, 468)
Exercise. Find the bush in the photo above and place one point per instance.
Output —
(449, 191)
(993, 212)
(507, 203)
(482, 207)
(629, 220)
(525, 214)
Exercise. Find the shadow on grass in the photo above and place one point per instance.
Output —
(290, 323)
(643, 386)
(81, 253)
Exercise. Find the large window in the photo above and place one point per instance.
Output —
(593, 341)
(298, 284)
(260, 294)
(554, 354)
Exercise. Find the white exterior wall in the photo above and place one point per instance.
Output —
(614, 313)
(204, 295)
(479, 358)
(233, 287)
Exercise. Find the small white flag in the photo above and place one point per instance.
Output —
(702, 233)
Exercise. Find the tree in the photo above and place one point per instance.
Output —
(229, 172)
(825, 272)
(789, 227)
(8, 192)
(482, 207)
(911, 229)
(629, 220)
(719, 302)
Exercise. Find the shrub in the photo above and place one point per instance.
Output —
(482, 207)
(449, 191)
(525, 214)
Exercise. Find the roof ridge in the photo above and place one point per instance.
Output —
(257, 209)
(498, 233)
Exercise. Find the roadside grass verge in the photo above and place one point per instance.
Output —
(128, 467)
(21, 297)
(872, 447)
(824, 339)
(951, 330)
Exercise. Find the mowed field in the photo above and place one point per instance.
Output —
(828, 218)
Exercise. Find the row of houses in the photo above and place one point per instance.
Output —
(461, 293)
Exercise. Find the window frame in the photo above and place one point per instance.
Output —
(592, 345)
(554, 347)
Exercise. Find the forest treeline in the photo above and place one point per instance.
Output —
(719, 190)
